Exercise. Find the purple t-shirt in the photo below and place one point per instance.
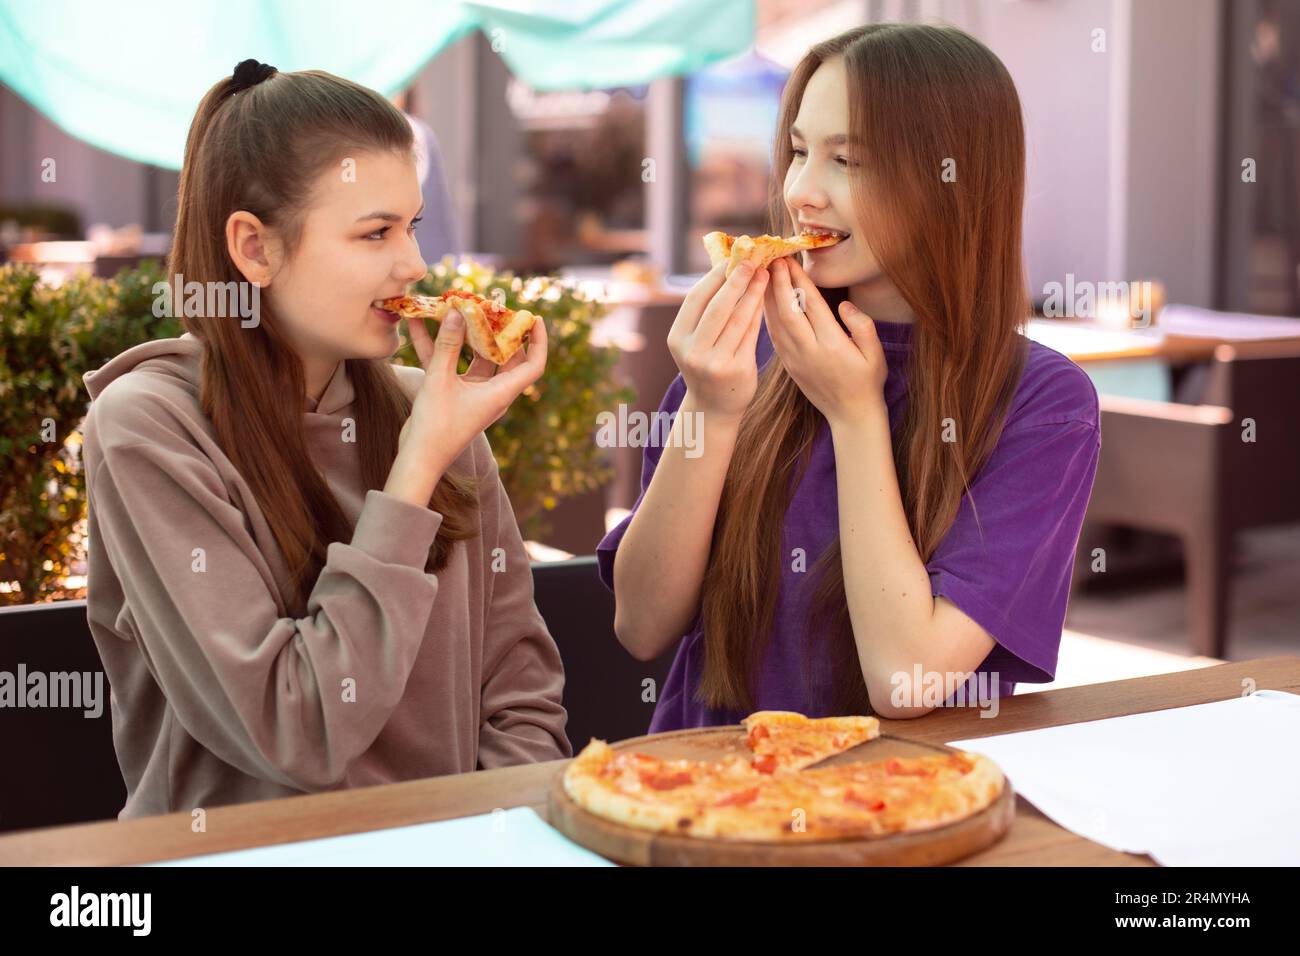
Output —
(1031, 495)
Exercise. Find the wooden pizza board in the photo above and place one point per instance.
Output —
(637, 847)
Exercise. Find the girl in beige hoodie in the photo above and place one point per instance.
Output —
(304, 571)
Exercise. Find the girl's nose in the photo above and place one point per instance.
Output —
(804, 191)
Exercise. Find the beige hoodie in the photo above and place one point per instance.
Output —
(218, 696)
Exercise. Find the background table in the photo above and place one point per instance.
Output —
(1033, 839)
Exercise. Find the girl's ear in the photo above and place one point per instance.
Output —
(250, 248)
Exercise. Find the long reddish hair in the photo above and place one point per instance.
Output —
(934, 98)
(261, 150)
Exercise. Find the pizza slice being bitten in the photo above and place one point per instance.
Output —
(492, 330)
(761, 251)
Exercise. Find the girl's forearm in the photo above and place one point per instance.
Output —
(659, 565)
(885, 581)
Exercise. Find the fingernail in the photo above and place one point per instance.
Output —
(453, 321)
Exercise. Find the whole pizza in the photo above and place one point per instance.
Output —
(770, 793)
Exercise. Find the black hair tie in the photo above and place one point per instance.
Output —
(250, 73)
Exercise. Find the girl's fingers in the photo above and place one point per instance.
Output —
(790, 316)
(749, 344)
(688, 316)
(742, 317)
(723, 304)
(820, 318)
(775, 325)
(862, 330)
(446, 347)
(422, 341)
(517, 376)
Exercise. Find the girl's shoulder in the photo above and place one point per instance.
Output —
(147, 390)
(1053, 390)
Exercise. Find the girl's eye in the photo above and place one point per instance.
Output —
(381, 233)
(798, 151)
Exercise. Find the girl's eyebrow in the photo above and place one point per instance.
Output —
(388, 216)
(839, 139)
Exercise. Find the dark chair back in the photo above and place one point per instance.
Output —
(59, 767)
(1259, 381)
(604, 685)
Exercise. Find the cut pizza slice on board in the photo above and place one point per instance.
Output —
(761, 251)
(783, 740)
(492, 330)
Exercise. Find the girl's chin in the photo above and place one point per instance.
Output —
(842, 278)
(379, 343)
(825, 276)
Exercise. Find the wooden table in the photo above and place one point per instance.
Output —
(1033, 840)
(1085, 341)
(1143, 363)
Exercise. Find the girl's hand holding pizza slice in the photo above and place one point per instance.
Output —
(450, 409)
(843, 375)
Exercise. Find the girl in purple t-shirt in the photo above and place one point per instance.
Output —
(875, 513)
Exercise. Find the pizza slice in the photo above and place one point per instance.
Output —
(762, 250)
(784, 740)
(492, 330)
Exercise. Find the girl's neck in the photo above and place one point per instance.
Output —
(318, 375)
(880, 299)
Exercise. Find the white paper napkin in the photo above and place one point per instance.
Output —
(516, 837)
(1208, 785)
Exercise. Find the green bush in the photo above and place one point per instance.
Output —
(49, 337)
(545, 443)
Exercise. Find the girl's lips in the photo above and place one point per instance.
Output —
(391, 317)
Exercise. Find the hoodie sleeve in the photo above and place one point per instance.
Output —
(293, 700)
(523, 678)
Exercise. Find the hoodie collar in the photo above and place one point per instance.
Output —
(176, 358)
(337, 396)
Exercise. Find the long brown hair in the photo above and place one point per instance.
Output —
(926, 95)
(261, 149)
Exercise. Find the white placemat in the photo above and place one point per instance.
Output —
(1208, 785)
(515, 837)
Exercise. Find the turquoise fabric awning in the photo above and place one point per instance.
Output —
(127, 76)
